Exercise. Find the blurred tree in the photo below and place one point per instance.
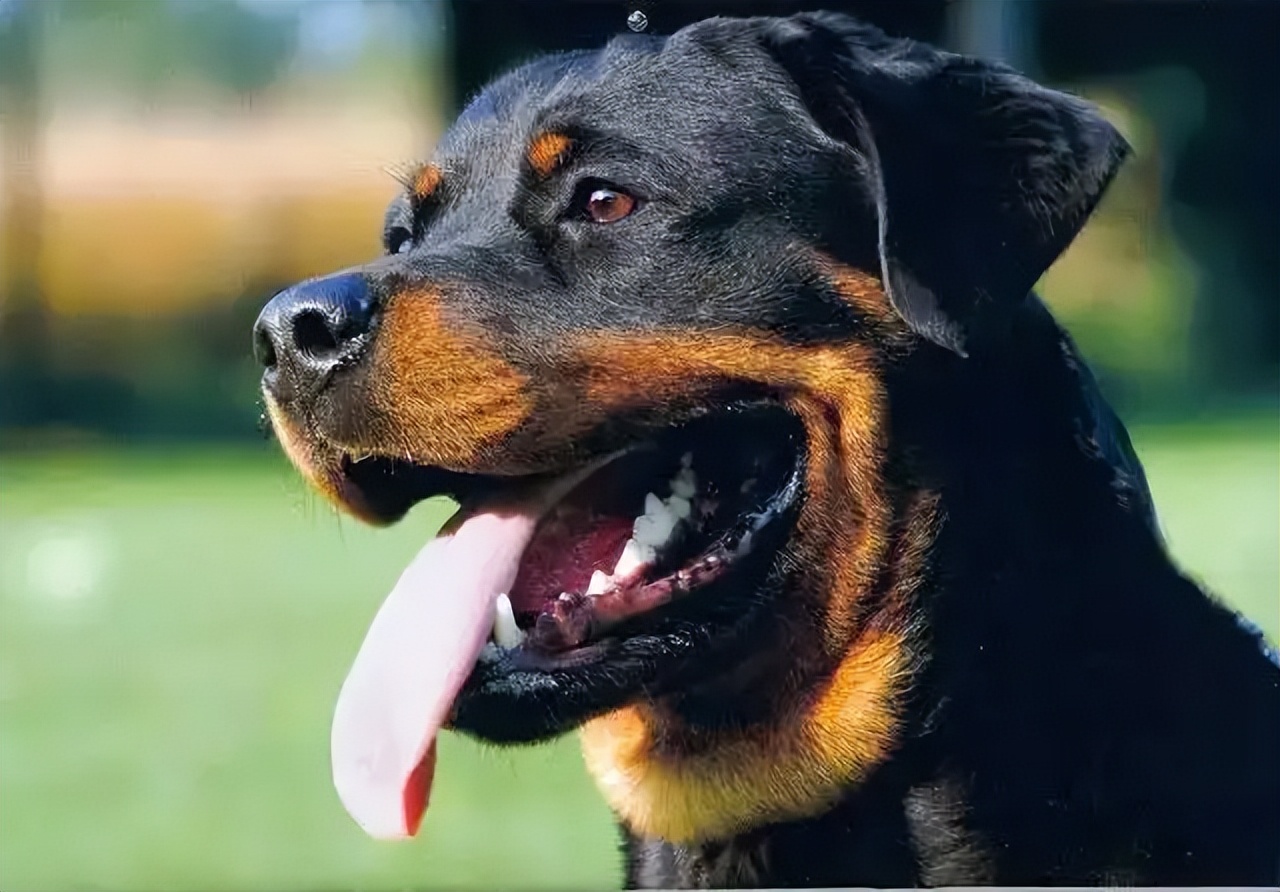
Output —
(135, 47)
(1224, 185)
(24, 324)
(1190, 79)
(232, 45)
(490, 35)
(149, 47)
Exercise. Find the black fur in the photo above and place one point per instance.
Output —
(1082, 712)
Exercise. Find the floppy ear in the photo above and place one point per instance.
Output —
(980, 177)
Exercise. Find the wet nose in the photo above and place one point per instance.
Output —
(305, 332)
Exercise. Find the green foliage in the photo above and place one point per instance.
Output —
(150, 47)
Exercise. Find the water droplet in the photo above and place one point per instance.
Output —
(637, 21)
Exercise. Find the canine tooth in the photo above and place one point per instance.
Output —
(599, 582)
(505, 631)
(679, 506)
(653, 504)
(642, 532)
(634, 556)
(654, 530)
(665, 524)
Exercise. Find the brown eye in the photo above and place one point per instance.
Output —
(609, 205)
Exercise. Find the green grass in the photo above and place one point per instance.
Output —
(173, 631)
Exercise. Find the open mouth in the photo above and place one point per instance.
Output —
(652, 525)
(543, 567)
(633, 532)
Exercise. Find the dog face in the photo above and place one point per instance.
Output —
(675, 282)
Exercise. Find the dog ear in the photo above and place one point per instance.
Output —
(981, 178)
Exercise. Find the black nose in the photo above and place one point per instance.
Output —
(305, 332)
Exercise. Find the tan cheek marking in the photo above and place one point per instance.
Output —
(300, 451)
(547, 151)
(794, 772)
(805, 759)
(849, 514)
(438, 392)
(838, 394)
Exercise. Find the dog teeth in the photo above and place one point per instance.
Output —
(505, 631)
(634, 556)
(680, 507)
(653, 530)
(599, 582)
(653, 505)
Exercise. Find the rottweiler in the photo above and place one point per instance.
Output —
(777, 482)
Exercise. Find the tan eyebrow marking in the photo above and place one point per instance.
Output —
(425, 181)
(547, 152)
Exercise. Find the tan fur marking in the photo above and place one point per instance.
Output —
(438, 392)
(863, 291)
(797, 770)
(673, 782)
(426, 181)
(301, 451)
(318, 462)
(547, 151)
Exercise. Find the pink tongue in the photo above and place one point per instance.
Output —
(421, 647)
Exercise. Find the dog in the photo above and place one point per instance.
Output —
(777, 481)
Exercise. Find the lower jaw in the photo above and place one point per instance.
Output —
(526, 695)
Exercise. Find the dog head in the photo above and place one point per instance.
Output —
(663, 303)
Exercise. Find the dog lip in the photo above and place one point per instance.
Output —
(364, 477)
(515, 489)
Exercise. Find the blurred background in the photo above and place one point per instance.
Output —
(177, 612)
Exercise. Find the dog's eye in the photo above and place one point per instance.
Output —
(603, 204)
(609, 206)
(399, 240)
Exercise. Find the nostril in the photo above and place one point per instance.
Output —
(313, 327)
(312, 333)
(263, 349)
